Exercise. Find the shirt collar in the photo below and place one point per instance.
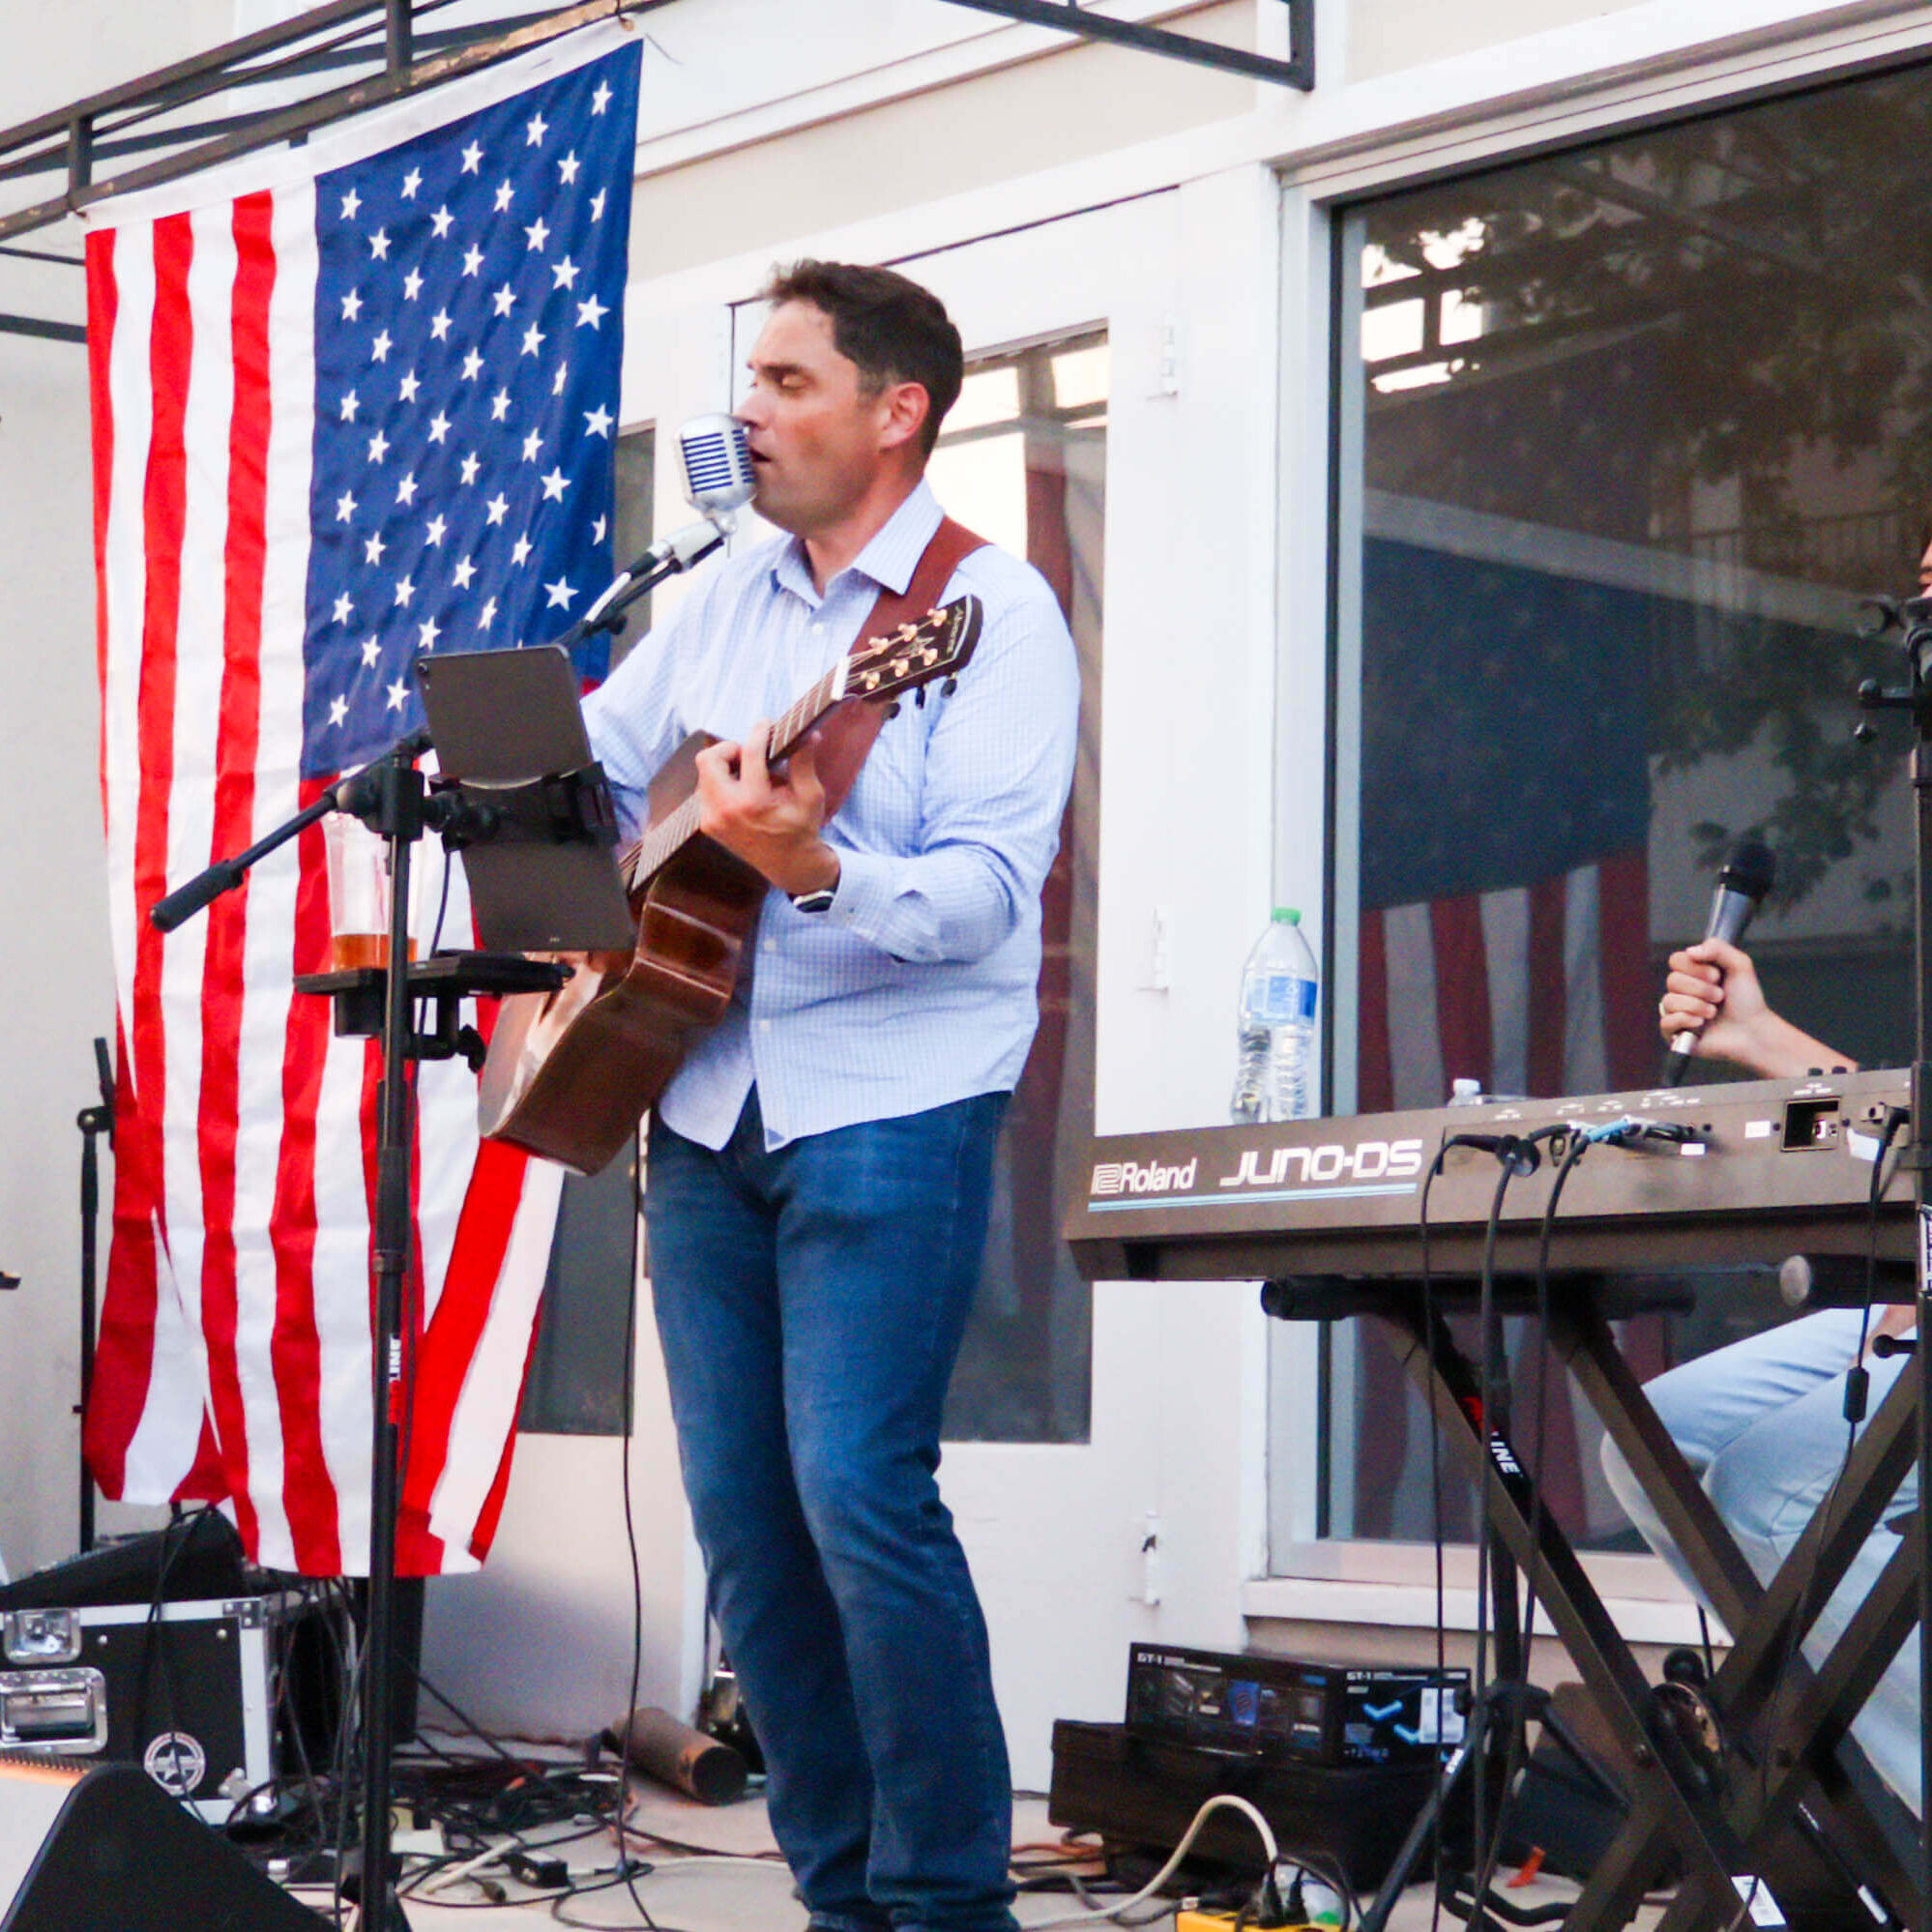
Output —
(889, 560)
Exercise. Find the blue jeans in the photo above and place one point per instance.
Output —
(810, 1303)
(1761, 1424)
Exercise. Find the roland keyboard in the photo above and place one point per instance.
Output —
(1746, 1173)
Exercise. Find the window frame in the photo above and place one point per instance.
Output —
(1309, 1574)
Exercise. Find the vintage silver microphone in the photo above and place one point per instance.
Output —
(719, 478)
(719, 482)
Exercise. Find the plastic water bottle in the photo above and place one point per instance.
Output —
(1275, 1036)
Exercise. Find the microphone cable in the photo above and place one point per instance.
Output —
(1514, 1155)
(1513, 1763)
(1433, 1430)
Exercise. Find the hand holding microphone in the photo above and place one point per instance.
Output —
(1713, 1007)
(1713, 994)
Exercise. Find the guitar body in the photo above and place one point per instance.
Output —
(570, 1074)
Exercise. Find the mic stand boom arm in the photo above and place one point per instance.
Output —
(665, 558)
(359, 793)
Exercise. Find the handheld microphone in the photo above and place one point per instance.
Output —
(719, 482)
(1748, 874)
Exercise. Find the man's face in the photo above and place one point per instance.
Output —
(818, 439)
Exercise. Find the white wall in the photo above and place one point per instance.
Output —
(53, 949)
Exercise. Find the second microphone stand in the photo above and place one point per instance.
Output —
(1914, 619)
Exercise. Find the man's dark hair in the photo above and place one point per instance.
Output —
(890, 326)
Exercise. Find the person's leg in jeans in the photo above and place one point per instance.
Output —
(1707, 1404)
(716, 1294)
(879, 1243)
(1762, 1422)
(890, 1789)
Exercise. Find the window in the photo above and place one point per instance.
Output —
(1625, 433)
(1023, 462)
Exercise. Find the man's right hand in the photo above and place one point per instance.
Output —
(1714, 992)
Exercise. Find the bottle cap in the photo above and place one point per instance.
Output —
(1287, 916)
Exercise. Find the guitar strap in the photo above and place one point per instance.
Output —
(951, 545)
(847, 735)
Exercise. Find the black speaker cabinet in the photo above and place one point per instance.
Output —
(108, 1850)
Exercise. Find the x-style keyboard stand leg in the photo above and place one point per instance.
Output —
(1790, 1759)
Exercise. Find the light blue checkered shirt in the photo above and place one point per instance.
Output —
(918, 988)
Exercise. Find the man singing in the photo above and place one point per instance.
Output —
(820, 1169)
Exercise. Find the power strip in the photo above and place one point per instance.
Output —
(1192, 1918)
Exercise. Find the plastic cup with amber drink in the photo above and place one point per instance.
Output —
(359, 894)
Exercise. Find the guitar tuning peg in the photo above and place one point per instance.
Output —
(918, 697)
(950, 686)
(892, 709)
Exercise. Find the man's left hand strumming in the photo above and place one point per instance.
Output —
(772, 820)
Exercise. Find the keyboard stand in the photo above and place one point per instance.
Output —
(1791, 1800)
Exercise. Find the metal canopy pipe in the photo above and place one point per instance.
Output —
(33, 325)
(171, 87)
(1297, 70)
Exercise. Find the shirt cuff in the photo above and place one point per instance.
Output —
(864, 894)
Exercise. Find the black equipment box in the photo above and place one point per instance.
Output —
(1144, 1792)
(1280, 1710)
(194, 1693)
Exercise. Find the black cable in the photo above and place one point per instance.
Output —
(1486, 1534)
(1855, 1382)
(1489, 1143)
(1437, 1534)
(630, 1543)
(157, 1639)
(1512, 1763)
(348, 1731)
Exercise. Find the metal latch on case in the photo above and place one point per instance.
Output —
(41, 1636)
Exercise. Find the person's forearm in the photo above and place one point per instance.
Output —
(1777, 1050)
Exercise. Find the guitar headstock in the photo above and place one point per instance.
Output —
(936, 645)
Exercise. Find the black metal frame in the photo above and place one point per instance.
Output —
(344, 33)
(1068, 17)
(118, 123)
(1794, 1796)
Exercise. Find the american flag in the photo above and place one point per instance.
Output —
(1505, 803)
(352, 402)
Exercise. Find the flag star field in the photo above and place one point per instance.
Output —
(466, 382)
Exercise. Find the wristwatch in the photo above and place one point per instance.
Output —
(815, 902)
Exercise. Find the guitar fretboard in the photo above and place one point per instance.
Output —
(654, 850)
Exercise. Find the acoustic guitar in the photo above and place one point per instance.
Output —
(570, 1074)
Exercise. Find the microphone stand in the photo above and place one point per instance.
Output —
(390, 797)
(665, 559)
(93, 1122)
(1914, 618)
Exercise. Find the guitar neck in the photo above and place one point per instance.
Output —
(677, 827)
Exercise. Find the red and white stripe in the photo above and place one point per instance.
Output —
(235, 1349)
(1529, 989)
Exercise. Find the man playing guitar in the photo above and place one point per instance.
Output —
(820, 1167)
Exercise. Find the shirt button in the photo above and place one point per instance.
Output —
(764, 1026)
